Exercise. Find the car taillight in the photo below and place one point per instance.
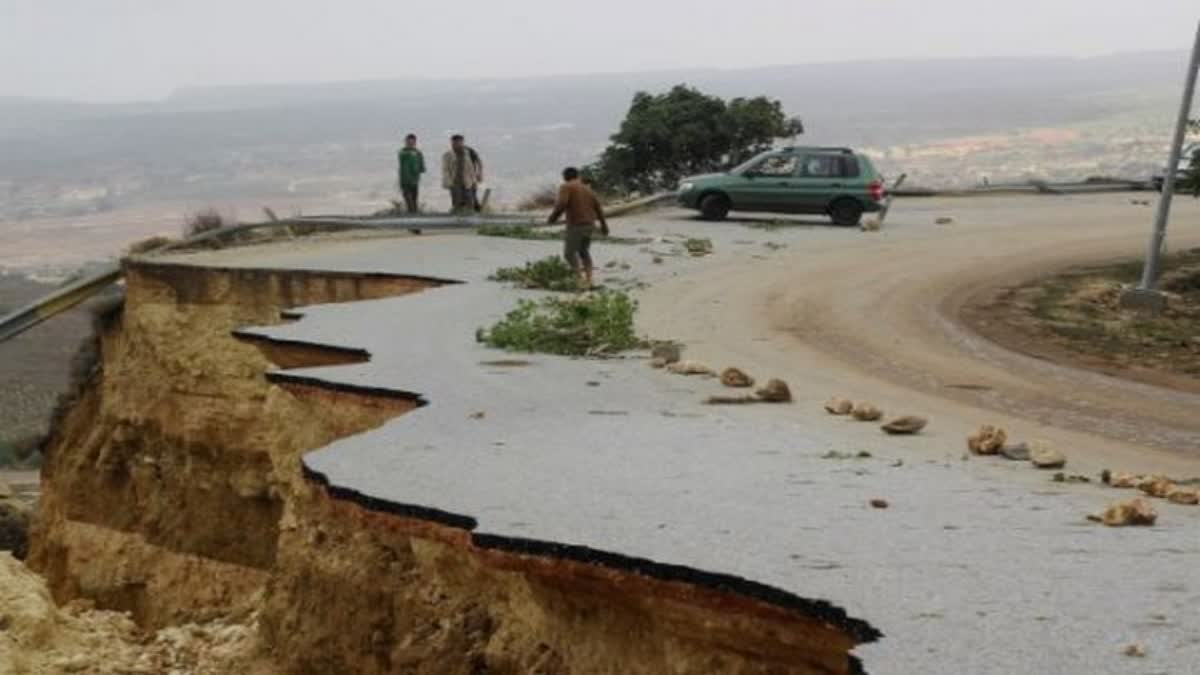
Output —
(875, 190)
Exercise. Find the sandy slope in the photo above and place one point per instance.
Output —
(875, 315)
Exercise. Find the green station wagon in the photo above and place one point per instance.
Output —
(837, 182)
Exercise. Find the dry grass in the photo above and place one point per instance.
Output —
(205, 220)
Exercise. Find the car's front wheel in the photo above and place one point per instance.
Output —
(714, 207)
(846, 212)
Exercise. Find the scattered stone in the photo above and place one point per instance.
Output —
(1136, 511)
(731, 400)
(871, 224)
(657, 260)
(658, 363)
(669, 352)
(610, 264)
(698, 247)
(478, 415)
(988, 440)
(1184, 496)
(839, 406)
(1061, 477)
(1136, 650)
(909, 424)
(775, 391)
(736, 378)
(834, 454)
(1156, 486)
(944, 220)
(879, 503)
(866, 412)
(689, 368)
(1123, 480)
(1046, 456)
(1018, 452)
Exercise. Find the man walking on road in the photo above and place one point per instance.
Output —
(462, 171)
(583, 211)
(412, 165)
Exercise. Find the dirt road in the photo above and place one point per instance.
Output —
(875, 315)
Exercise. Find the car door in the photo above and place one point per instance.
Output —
(819, 181)
(767, 185)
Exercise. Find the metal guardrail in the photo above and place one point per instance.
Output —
(65, 298)
(60, 300)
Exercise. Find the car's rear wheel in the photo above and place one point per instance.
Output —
(714, 207)
(846, 212)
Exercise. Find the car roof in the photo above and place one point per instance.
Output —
(816, 148)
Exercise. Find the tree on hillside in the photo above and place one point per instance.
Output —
(665, 137)
(1192, 181)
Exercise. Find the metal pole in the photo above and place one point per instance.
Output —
(1150, 271)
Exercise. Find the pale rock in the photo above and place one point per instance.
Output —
(909, 424)
(689, 368)
(736, 378)
(1046, 456)
(839, 406)
(775, 391)
(1184, 496)
(988, 440)
(866, 412)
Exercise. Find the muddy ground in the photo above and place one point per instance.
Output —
(1076, 317)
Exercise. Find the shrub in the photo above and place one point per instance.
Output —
(551, 274)
(203, 221)
(517, 232)
(544, 198)
(148, 244)
(600, 323)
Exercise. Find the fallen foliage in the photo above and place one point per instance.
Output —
(593, 324)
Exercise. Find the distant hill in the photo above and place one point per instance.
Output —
(334, 138)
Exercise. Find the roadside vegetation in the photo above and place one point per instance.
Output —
(541, 200)
(551, 273)
(1080, 314)
(683, 132)
(202, 221)
(591, 325)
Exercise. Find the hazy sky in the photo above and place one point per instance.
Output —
(136, 49)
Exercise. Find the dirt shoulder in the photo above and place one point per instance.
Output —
(1075, 318)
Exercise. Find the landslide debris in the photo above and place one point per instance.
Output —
(866, 412)
(39, 638)
(909, 424)
(736, 378)
(775, 391)
(1136, 511)
(839, 406)
(988, 440)
(1044, 455)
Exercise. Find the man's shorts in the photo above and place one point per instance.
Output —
(577, 244)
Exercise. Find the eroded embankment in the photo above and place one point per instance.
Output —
(173, 489)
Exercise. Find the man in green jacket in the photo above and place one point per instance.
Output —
(412, 165)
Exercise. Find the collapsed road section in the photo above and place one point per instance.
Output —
(178, 488)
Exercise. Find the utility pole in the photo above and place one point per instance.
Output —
(1145, 297)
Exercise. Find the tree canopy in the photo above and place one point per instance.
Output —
(665, 137)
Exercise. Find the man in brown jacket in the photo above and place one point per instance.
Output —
(583, 211)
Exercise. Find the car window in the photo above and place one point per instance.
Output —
(821, 166)
(850, 167)
(777, 166)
